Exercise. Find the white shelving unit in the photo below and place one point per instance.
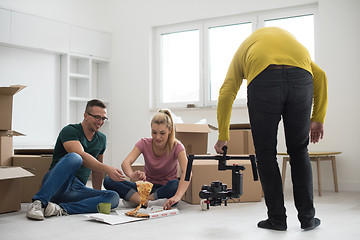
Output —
(85, 78)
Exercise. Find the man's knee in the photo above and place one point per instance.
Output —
(112, 197)
(74, 158)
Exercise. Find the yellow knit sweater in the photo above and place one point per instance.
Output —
(265, 46)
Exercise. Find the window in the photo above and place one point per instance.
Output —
(191, 60)
(223, 43)
(180, 67)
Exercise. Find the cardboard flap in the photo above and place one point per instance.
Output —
(240, 126)
(192, 128)
(212, 127)
(11, 90)
(10, 133)
(13, 172)
(34, 151)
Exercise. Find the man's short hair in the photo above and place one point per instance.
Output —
(93, 103)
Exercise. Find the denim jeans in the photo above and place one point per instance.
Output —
(60, 186)
(286, 94)
(126, 189)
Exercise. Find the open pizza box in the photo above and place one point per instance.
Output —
(119, 216)
(138, 214)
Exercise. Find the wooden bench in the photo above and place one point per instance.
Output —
(315, 157)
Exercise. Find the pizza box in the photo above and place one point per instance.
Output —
(121, 218)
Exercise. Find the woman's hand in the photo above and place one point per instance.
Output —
(138, 176)
(170, 202)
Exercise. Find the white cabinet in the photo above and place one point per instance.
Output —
(5, 19)
(41, 33)
(26, 30)
(85, 78)
(86, 41)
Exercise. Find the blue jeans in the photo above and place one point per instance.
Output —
(126, 189)
(60, 186)
(286, 94)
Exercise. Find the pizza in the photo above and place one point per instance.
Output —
(144, 189)
(138, 215)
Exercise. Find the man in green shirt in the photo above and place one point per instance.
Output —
(78, 152)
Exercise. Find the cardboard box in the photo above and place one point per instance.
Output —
(6, 146)
(241, 141)
(204, 172)
(194, 137)
(37, 165)
(6, 103)
(10, 199)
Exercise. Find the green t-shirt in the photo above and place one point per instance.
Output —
(95, 147)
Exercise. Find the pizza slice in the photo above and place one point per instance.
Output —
(144, 189)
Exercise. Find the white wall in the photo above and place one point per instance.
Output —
(131, 21)
(35, 108)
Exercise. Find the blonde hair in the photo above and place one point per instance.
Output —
(163, 116)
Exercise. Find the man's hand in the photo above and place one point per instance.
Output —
(138, 176)
(219, 145)
(115, 174)
(316, 131)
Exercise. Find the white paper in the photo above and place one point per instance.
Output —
(113, 219)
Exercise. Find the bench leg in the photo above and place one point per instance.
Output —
(333, 162)
(319, 175)
(283, 171)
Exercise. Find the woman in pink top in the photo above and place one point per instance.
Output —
(162, 154)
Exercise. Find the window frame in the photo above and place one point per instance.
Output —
(256, 18)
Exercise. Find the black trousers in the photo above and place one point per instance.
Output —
(287, 94)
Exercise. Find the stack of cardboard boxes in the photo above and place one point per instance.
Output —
(194, 137)
(37, 161)
(9, 176)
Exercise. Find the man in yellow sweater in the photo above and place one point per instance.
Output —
(282, 82)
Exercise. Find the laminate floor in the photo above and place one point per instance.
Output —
(339, 213)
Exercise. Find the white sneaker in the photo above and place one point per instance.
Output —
(158, 202)
(53, 209)
(129, 204)
(35, 211)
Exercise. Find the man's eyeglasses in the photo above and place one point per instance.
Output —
(98, 118)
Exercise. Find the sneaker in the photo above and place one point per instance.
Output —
(129, 204)
(35, 211)
(53, 209)
(158, 202)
